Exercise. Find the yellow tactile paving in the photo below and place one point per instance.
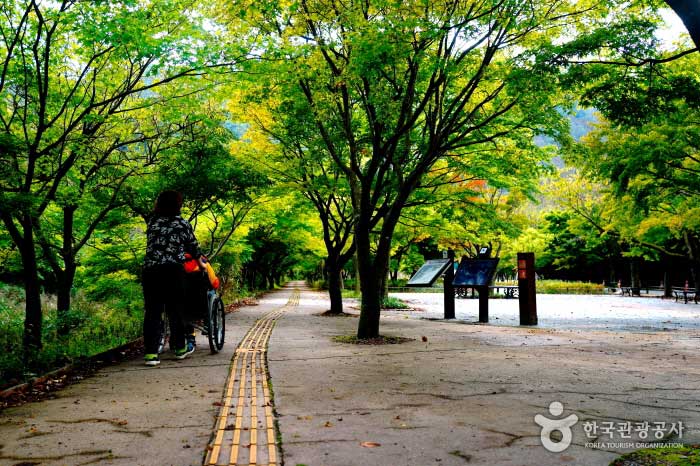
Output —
(244, 431)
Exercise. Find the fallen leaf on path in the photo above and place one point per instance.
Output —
(370, 444)
(328, 424)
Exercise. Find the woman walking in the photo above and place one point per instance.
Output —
(169, 238)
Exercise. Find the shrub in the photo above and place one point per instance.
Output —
(391, 302)
(564, 287)
(93, 327)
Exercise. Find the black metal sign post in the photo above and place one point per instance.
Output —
(483, 304)
(478, 274)
(449, 287)
(527, 288)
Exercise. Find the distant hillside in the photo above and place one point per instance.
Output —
(580, 123)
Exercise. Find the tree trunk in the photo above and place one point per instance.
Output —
(668, 290)
(66, 276)
(373, 272)
(370, 280)
(24, 240)
(368, 327)
(335, 288)
(394, 274)
(374, 269)
(693, 245)
(635, 281)
(63, 299)
(32, 291)
(251, 280)
(689, 12)
(385, 286)
(356, 264)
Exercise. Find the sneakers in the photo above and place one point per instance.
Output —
(191, 340)
(184, 352)
(151, 360)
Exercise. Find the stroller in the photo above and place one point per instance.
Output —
(204, 308)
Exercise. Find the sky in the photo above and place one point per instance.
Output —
(673, 30)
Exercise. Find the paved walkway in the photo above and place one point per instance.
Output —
(135, 415)
(470, 393)
(455, 394)
(572, 312)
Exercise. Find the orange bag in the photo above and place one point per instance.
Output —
(213, 279)
(191, 265)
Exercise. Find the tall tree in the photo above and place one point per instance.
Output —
(67, 68)
(296, 156)
(392, 88)
(95, 186)
(647, 150)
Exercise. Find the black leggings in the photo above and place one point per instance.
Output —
(163, 289)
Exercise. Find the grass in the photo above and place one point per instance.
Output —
(687, 455)
(391, 302)
(105, 315)
(93, 328)
(565, 287)
(380, 340)
(351, 293)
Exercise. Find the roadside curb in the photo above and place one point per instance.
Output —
(15, 395)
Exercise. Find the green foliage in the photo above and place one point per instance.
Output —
(687, 455)
(391, 302)
(281, 243)
(93, 328)
(11, 331)
(119, 287)
(573, 245)
(377, 111)
(650, 160)
(350, 292)
(568, 287)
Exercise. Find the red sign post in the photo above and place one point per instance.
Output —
(527, 288)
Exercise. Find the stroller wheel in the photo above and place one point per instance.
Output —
(215, 325)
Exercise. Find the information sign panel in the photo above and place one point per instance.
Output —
(475, 272)
(429, 272)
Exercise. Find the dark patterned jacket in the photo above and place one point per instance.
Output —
(168, 239)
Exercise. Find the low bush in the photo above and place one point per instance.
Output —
(351, 293)
(391, 302)
(92, 327)
(564, 287)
